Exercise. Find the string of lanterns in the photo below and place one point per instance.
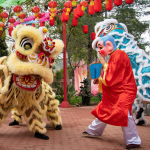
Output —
(78, 11)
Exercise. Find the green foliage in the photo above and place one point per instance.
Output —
(60, 94)
(99, 96)
(8, 3)
(77, 41)
(59, 74)
(69, 72)
(3, 46)
(130, 15)
(78, 99)
(84, 93)
(84, 90)
(70, 93)
(57, 77)
(3, 49)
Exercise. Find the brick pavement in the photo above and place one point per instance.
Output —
(75, 121)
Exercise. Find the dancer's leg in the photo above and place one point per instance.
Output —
(130, 132)
(96, 128)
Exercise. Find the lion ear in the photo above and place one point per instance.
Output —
(59, 45)
(14, 32)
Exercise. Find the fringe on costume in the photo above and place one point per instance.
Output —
(15, 115)
(52, 106)
(29, 104)
(39, 106)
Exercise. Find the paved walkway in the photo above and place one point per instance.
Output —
(75, 121)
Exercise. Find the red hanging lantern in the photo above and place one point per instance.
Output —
(1, 26)
(62, 17)
(10, 30)
(97, 5)
(33, 24)
(52, 22)
(39, 15)
(17, 9)
(129, 1)
(74, 22)
(74, 2)
(118, 2)
(81, 13)
(22, 16)
(83, 4)
(68, 5)
(85, 29)
(75, 13)
(35, 10)
(42, 24)
(79, 10)
(52, 4)
(93, 35)
(4, 15)
(11, 20)
(109, 4)
(66, 17)
(91, 10)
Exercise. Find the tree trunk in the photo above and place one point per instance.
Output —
(73, 79)
(89, 61)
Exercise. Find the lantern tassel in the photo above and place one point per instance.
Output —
(10, 30)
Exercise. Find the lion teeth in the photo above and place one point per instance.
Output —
(17, 79)
(28, 86)
(33, 86)
(35, 82)
(19, 83)
(23, 85)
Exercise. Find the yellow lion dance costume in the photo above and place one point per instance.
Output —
(25, 75)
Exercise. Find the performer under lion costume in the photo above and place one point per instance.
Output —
(25, 76)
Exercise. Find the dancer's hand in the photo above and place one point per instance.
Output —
(95, 81)
(102, 60)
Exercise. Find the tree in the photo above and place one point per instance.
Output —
(80, 44)
(3, 46)
(127, 14)
(130, 15)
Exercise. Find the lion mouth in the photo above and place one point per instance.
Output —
(27, 82)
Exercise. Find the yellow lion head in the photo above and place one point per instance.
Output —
(33, 55)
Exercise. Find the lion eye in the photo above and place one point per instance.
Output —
(26, 43)
(27, 46)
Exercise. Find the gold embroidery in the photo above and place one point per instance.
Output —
(103, 79)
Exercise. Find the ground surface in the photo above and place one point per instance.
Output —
(75, 121)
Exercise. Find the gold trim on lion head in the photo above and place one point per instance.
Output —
(30, 56)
